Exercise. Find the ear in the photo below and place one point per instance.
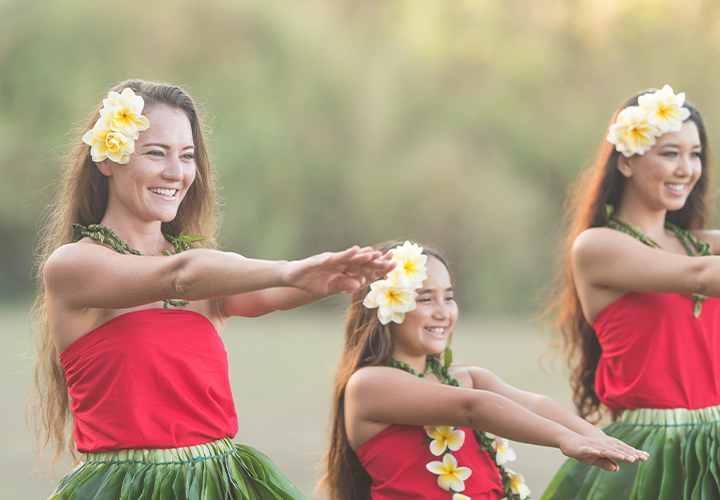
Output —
(104, 167)
(623, 165)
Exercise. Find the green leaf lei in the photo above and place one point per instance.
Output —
(440, 370)
(105, 235)
(693, 246)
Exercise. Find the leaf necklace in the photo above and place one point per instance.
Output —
(105, 235)
(693, 246)
(440, 370)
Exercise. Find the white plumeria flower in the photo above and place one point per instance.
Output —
(665, 109)
(632, 133)
(392, 301)
(450, 475)
(410, 270)
(503, 452)
(106, 143)
(517, 484)
(123, 112)
(444, 437)
(460, 496)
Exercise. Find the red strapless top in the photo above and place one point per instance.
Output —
(395, 459)
(656, 354)
(149, 379)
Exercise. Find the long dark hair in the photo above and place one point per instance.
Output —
(602, 184)
(367, 343)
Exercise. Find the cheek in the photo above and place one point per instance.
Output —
(189, 173)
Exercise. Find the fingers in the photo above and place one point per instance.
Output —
(607, 464)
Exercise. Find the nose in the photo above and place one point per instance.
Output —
(173, 169)
(441, 311)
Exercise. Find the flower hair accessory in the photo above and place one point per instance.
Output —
(638, 127)
(395, 295)
(114, 134)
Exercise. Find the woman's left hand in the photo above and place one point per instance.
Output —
(337, 272)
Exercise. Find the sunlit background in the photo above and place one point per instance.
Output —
(456, 123)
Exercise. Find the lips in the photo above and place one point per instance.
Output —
(436, 331)
(163, 192)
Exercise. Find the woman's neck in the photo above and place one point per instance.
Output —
(637, 214)
(146, 237)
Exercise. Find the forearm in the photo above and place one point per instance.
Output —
(261, 302)
(552, 410)
(205, 274)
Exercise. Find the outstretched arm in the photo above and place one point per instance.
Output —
(388, 395)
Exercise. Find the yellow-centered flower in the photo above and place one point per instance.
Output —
(503, 452)
(632, 133)
(460, 496)
(410, 270)
(109, 144)
(444, 437)
(517, 484)
(122, 111)
(665, 109)
(392, 301)
(450, 475)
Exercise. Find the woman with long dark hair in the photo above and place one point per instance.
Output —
(132, 299)
(408, 424)
(638, 306)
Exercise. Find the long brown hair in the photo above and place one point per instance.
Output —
(602, 184)
(82, 198)
(367, 343)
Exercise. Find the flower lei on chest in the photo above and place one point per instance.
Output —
(114, 134)
(393, 297)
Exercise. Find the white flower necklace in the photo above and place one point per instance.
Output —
(444, 440)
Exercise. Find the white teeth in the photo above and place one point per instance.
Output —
(437, 331)
(164, 192)
(676, 187)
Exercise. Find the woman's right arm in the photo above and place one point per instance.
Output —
(380, 394)
(87, 275)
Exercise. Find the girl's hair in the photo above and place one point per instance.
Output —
(367, 343)
(602, 185)
(82, 198)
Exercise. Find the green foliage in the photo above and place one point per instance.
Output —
(458, 124)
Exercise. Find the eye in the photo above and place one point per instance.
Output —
(424, 299)
(189, 156)
(450, 298)
(696, 154)
(156, 153)
(670, 154)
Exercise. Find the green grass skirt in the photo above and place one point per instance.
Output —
(683, 464)
(217, 470)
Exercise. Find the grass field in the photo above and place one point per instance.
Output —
(281, 370)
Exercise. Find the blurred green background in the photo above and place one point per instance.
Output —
(336, 122)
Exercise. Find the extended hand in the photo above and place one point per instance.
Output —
(600, 452)
(336, 272)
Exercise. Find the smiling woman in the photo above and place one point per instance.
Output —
(130, 235)
(638, 303)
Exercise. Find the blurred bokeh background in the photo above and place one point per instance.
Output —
(336, 122)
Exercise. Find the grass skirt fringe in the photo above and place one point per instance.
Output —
(683, 463)
(213, 471)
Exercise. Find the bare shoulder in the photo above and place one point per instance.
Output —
(372, 378)
(473, 376)
(71, 257)
(710, 236)
(598, 239)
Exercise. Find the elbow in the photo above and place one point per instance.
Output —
(474, 411)
(183, 276)
(703, 276)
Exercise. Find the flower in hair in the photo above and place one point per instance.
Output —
(392, 301)
(665, 109)
(123, 112)
(632, 133)
(450, 475)
(410, 269)
(109, 144)
(114, 134)
(444, 437)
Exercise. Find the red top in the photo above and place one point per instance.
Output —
(395, 459)
(656, 354)
(149, 379)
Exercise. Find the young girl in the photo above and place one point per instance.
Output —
(634, 303)
(404, 423)
(132, 305)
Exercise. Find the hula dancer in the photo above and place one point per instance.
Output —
(408, 424)
(638, 304)
(133, 300)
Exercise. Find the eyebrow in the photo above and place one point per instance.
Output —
(165, 146)
(673, 145)
(428, 290)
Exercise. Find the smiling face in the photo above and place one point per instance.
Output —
(155, 180)
(663, 177)
(426, 329)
